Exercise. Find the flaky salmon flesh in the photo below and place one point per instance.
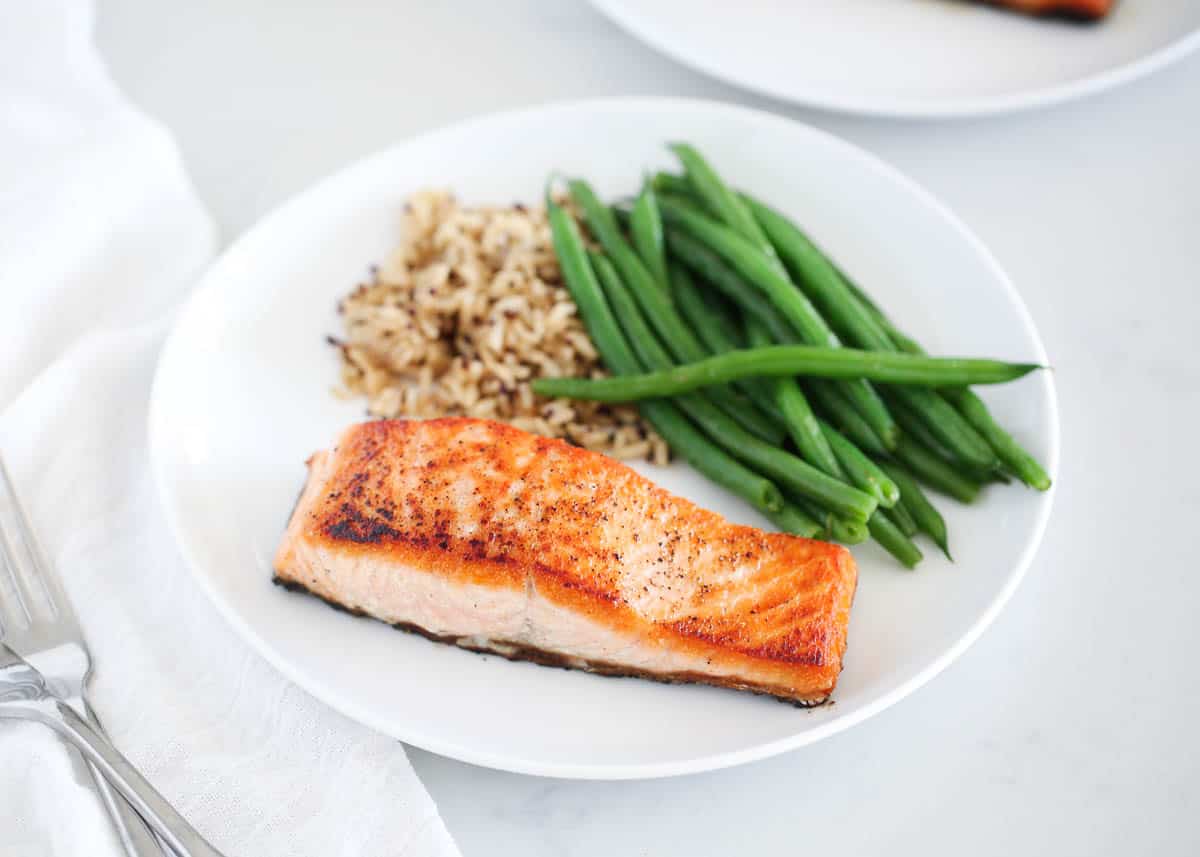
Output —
(475, 533)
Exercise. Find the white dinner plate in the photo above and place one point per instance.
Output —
(243, 395)
(919, 58)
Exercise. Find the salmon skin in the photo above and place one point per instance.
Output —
(475, 533)
(1085, 10)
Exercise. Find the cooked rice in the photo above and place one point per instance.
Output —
(467, 312)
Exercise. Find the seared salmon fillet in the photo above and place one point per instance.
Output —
(475, 533)
(1085, 9)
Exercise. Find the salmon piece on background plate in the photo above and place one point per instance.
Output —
(1083, 9)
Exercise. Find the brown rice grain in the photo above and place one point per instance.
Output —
(465, 313)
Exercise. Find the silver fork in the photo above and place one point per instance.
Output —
(56, 648)
(51, 687)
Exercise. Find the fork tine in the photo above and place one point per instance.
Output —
(14, 611)
(36, 567)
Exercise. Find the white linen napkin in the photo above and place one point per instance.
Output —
(100, 236)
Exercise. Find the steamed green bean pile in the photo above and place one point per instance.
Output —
(765, 368)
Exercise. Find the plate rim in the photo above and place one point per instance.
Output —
(159, 457)
(905, 108)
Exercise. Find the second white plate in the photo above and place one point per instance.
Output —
(919, 58)
(242, 397)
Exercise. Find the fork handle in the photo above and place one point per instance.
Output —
(136, 838)
(161, 817)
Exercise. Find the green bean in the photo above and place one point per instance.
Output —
(848, 532)
(842, 303)
(715, 272)
(715, 327)
(930, 416)
(935, 472)
(801, 424)
(763, 273)
(718, 198)
(1000, 475)
(854, 313)
(758, 393)
(864, 298)
(600, 219)
(668, 421)
(828, 288)
(817, 276)
(829, 400)
(835, 527)
(798, 416)
(646, 229)
(751, 416)
(585, 291)
(709, 315)
(792, 519)
(902, 518)
(972, 408)
(744, 409)
(857, 316)
(665, 182)
(929, 520)
(694, 447)
(893, 540)
(783, 467)
(1023, 465)
(753, 266)
(653, 299)
(638, 331)
(799, 477)
(788, 360)
(863, 473)
(902, 342)
(880, 527)
(691, 444)
(921, 433)
(939, 419)
(656, 303)
(899, 339)
(733, 404)
(968, 404)
(914, 427)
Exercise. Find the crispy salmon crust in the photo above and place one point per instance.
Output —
(473, 532)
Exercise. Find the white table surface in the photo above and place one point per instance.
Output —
(1070, 728)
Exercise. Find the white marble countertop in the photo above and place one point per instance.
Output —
(1070, 727)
